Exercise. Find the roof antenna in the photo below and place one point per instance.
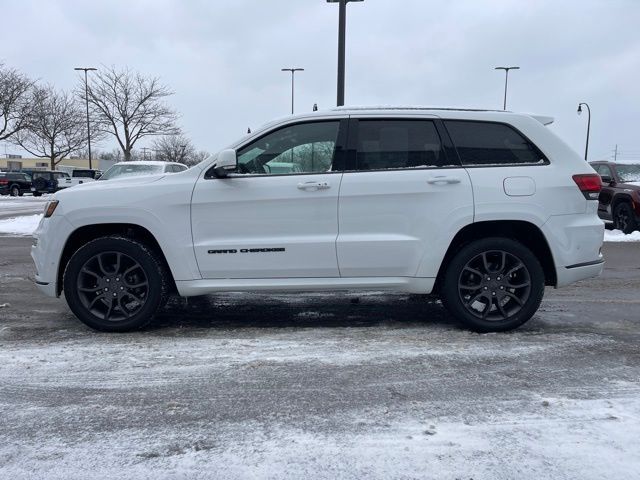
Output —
(248, 129)
(315, 107)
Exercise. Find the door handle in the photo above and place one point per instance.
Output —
(313, 186)
(442, 180)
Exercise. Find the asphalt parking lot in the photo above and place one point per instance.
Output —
(322, 386)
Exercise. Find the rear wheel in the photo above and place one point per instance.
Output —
(493, 284)
(15, 191)
(624, 219)
(115, 284)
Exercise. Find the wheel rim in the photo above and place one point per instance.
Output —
(494, 285)
(14, 192)
(112, 286)
(622, 219)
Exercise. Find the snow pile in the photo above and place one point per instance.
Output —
(618, 236)
(20, 225)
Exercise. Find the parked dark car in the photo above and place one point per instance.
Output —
(14, 183)
(47, 181)
(620, 195)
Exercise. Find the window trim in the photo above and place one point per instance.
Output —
(354, 136)
(545, 159)
(340, 150)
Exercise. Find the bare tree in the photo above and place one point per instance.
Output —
(15, 101)
(172, 148)
(54, 128)
(129, 107)
(177, 148)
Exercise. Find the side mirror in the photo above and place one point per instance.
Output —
(227, 162)
(97, 176)
(606, 179)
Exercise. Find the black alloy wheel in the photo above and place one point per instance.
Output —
(493, 284)
(115, 284)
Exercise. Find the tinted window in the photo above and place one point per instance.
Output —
(485, 143)
(303, 148)
(82, 174)
(385, 144)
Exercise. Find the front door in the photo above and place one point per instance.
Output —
(402, 201)
(277, 216)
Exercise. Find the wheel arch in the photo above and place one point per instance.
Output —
(522, 231)
(86, 233)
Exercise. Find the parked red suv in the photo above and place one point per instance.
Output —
(620, 194)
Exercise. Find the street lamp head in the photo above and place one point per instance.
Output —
(345, 1)
(507, 68)
(86, 69)
(579, 108)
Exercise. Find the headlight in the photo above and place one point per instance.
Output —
(50, 207)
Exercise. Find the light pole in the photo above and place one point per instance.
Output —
(293, 73)
(342, 25)
(86, 97)
(506, 82)
(586, 147)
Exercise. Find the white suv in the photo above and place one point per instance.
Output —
(482, 208)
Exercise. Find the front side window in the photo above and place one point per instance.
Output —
(398, 144)
(487, 143)
(628, 173)
(302, 148)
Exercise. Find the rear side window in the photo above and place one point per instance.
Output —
(397, 144)
(488, 143)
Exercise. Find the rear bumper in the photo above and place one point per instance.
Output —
(568, 275)
(575, 242)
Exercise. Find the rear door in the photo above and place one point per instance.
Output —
(402, 199)
(277, 216)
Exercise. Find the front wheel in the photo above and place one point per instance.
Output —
(493, 285)
(115, 284)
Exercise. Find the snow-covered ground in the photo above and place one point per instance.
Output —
(23, 225)
(11, 207)
(618, 236)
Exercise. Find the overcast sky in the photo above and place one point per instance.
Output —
(223, 58)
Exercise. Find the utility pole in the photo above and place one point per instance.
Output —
(615, 154)
(293, 72)
(342, 26)
(86, 97)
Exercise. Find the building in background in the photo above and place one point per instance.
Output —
(17, 163)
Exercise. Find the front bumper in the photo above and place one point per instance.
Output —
(46, 252)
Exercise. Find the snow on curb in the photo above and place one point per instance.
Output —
(618, 236)
(24, 225)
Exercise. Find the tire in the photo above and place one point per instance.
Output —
(40, 184)
(624, 219)
(107, 266)
(14, 191)
(493, 285)
(37, 194)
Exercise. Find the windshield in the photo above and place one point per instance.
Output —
(124, 170)
(628, 173)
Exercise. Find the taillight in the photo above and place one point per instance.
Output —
(589, 184)
(4, 182)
